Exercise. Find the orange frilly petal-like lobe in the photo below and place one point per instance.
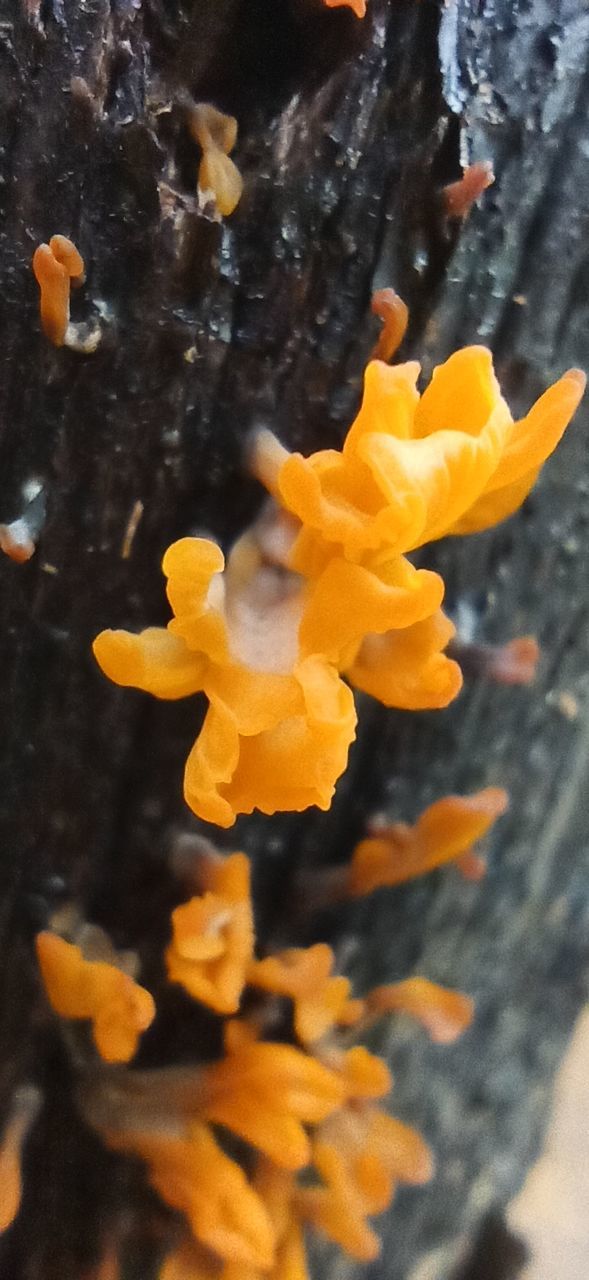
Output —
(304, 974)
(530, 443)
(291, 760)
(445, 831)
(155, 661)
(266, 1093)
(213, 938)
(407, 669)
(349, 601)
(77, 988)
(192, 1174)
(445, 1014)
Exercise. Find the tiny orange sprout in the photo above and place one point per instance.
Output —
(266, 1093)
(459, 197)
(390, 308)
(216, 134)
(445, 1014)
(321, 1000)
(56, 265)
(118, 1008)
(357, 6)
(445, 831)
(213, 937)
(23, 1112)
(16, 541)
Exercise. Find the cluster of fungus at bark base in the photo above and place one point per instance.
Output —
(308, 1107)
(275, 640)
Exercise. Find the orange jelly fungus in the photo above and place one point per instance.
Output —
(56, 266)
(304, 974)
(192, 1174)
(357, 6)
(266, 1093)
(216, 134)
(459, 197)
(118, 1007)
(394, 313)
(445, 831)
(444, 1014)
(213, 937)
(23, 1112)
(361, 1154)
(268, 637)
(278, 728)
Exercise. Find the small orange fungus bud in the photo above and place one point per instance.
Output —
(445, 831)
(514, 662)
(118, 1008)
(304, 974)
(56, 265)
(390, 308)
(444, 1014)
(357, 6)
(216, 134)
(460, 196)
(24, 1110)
(213, 937)
(16, 541)
(65, 252)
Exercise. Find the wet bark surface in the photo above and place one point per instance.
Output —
(347, 132)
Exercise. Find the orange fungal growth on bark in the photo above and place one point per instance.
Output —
(23, 1112)
(192, 1174)
(266, 1093)
(459, 197)
(64, 251)
(445, 831)
(216, 134)
(54, 282)
(445, 1014)
(279, 724)
(361, 1154)
(57, 266)
(119, 1009)
(416, 468)
(304, 974)
(357, 6)
(394, 313)
(213, 937)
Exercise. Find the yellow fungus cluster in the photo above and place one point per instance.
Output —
(325, 589)
(323, 1153)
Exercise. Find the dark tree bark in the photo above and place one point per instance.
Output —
(348, 130)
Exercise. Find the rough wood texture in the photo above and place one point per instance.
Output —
(347, 132)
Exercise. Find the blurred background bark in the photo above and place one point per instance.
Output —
(347, 132)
